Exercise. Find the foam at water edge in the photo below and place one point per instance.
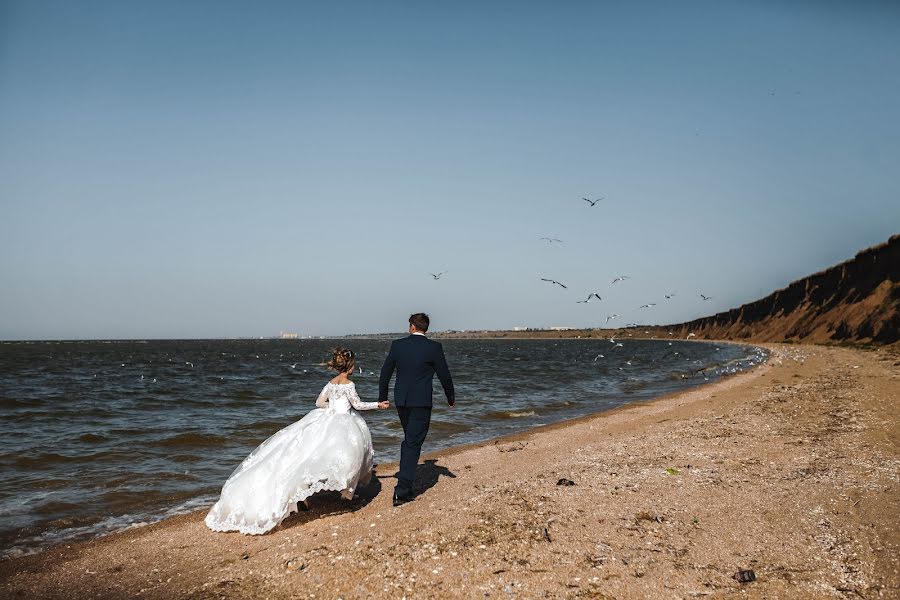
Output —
(39, 543)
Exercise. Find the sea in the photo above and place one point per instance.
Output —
(100, 436)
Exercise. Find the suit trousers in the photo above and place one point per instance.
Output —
(415, 421)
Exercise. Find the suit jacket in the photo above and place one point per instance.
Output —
(417, 360)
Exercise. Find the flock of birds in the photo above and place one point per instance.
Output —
(591, 295)
(595, 295)
(619, 279)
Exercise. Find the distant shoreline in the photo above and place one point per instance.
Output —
(656, 330)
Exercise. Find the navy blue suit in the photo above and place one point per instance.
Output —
(417, 360)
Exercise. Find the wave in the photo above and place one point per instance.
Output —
(448, 427)
(15, 403)
(191, 440)
(500, 415)
(49, 460)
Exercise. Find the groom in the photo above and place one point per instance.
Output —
(416, 359)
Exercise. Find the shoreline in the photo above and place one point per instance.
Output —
(502, 492)
(521, 435)
(173, 512)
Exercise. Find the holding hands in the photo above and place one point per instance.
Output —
(384, 404)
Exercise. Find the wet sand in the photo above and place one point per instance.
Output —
(791, 470)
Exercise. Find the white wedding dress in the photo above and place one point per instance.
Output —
(328, 449)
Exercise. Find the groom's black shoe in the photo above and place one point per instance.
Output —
(398, 499)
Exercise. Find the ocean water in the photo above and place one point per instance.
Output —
(102, 436)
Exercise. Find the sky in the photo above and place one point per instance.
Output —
(217, 169)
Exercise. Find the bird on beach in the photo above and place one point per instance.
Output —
(438, 275)
(593, 202)
(705, 298)
(551, 240)
(690, 335)
(611, 317)
(651, 305)
(553, 281)
(591, 295)
(618, 279)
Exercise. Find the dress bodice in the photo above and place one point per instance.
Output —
(339, 397)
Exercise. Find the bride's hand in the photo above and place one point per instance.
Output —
(384, 404)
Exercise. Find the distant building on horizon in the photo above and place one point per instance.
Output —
(288, 335)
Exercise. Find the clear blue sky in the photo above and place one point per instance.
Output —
(205, 169)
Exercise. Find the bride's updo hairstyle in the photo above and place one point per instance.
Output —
(342, 360)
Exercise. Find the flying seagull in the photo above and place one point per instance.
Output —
(550, 240)
(553, 281)
(593, 202)
(622, 278)
(705, 298)
(591, 295)
(438, 275)
(611, 317)
(651, 305)
(670, 296)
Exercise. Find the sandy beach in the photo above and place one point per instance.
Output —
(790, 470)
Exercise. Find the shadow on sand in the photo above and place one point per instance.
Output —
(330, 503)
(427, 475)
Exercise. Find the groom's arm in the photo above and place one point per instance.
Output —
(387, 370)
(443, 373)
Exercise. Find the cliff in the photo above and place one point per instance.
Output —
(855, 301)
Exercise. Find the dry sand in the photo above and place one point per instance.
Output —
(790, 470)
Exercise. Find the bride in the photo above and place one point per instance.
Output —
(328, 449)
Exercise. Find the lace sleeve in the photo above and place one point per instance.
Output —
(359, 404)
(322, 400)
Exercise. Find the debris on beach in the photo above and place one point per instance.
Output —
(745, 576)
(565, 481)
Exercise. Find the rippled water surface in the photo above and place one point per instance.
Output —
(98, 436)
